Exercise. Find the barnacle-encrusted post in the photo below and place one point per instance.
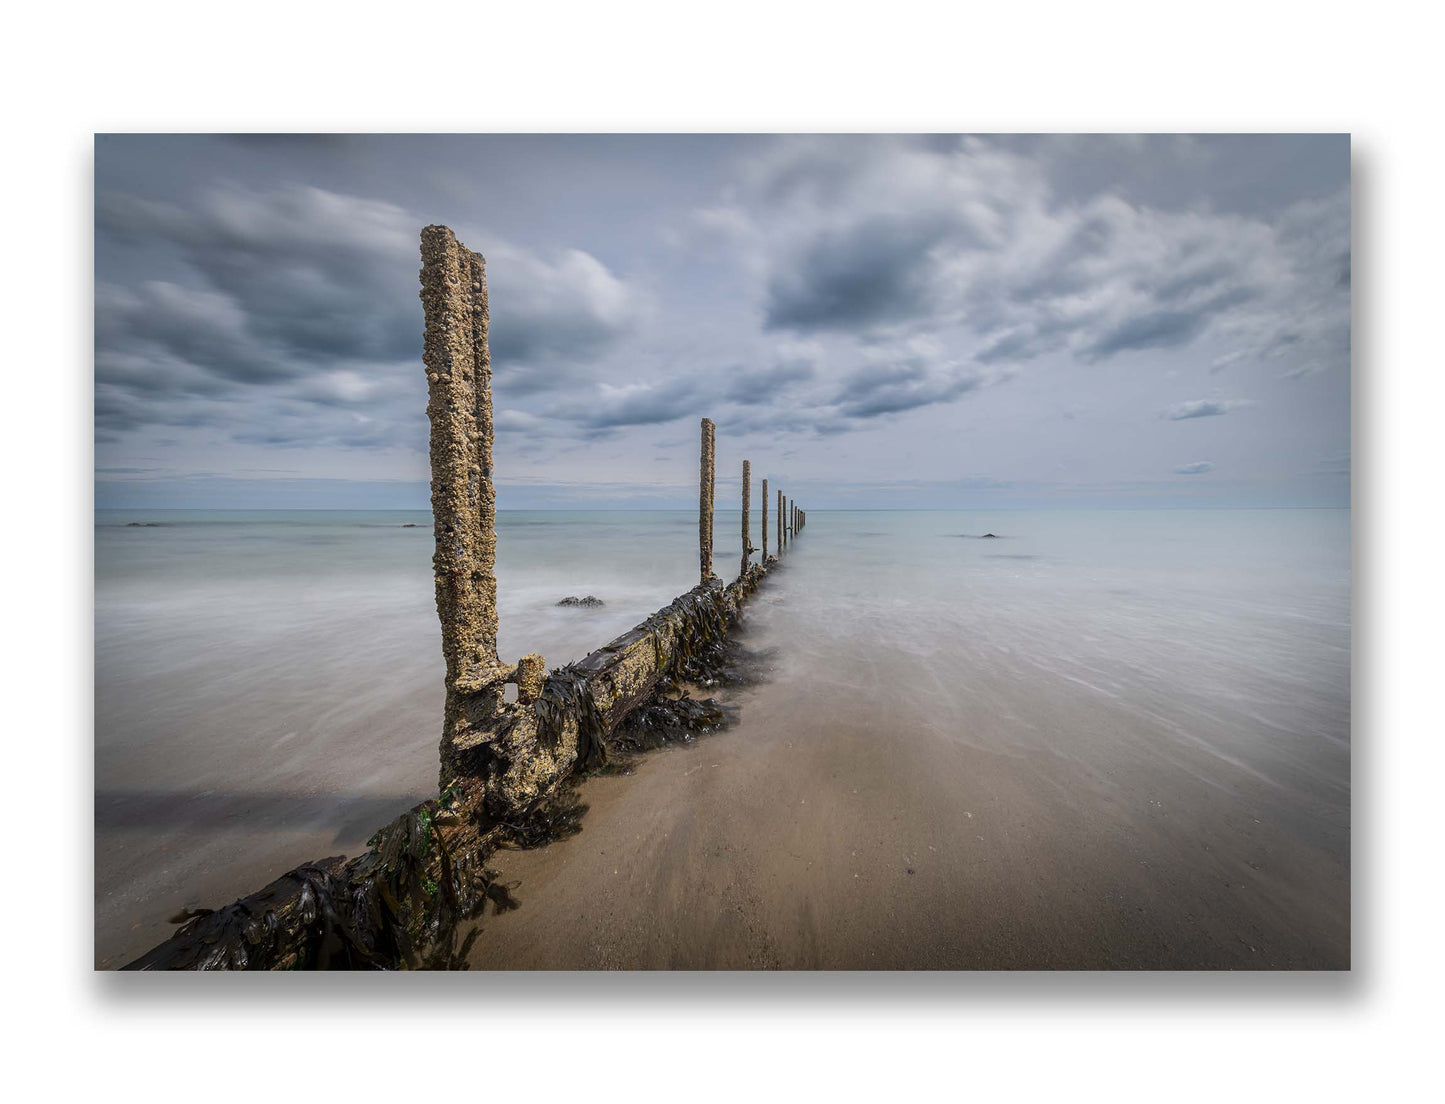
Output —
(707, 478)
(464, 508)
(765, 522)
(782, 529)
(747, 516)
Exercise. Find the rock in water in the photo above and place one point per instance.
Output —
(591, 601)
(989, 536)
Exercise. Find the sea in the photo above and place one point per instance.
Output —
(269, 683)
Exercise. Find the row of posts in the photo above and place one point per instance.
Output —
(459, 405)
(787, 529)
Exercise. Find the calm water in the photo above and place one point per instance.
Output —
(268, 685)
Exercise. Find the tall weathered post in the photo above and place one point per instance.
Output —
(765, 523)
(747, 515)
(782, 528)
(464, 507)
(707, 482)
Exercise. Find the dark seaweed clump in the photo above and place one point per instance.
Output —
(248, 934)
(557, 816)
(401, 905)
(701, 652)
(663, 720)
(568, 693)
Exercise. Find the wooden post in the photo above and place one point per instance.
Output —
(782, 528)
(464, 508)
(765, 522)
(707, 481)
(747, 515)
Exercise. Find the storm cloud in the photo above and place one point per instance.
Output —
(1032, 311)
(911, 238)
(306, 300)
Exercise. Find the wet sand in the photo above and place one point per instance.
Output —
(846, 823)
(765, 848)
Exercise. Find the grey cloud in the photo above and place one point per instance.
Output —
(313, 296)
(755, 386)
(874, 272)
(551, 317)
(1199, 467)
(1155, 330)
(905, 385)
(1203, 408)
(636, 404)
(915, 238)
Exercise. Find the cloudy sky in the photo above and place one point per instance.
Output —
(873, 321)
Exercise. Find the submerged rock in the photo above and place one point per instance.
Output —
(989, 536)
(411, 525)
(591, 601)
(142, 525)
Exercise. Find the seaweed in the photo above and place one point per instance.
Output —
(702, 619)
(568, 693)
(557, 816)
(399, 905)
(239, 936)
(663, 720)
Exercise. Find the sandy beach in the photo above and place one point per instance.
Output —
(844, 824)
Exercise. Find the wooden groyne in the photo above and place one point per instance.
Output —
(403, 902)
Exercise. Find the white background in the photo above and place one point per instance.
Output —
(1367, 69)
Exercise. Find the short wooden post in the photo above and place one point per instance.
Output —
(707, 481)
(531, 675)
(747, 514)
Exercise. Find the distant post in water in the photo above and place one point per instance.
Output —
(747, 514)
(765, 523)
(707, 479)
(464, 506)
